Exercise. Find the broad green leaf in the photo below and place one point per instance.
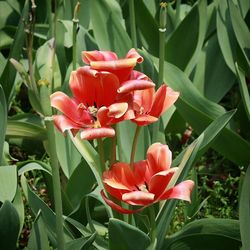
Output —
(81, 175)
(81, 243)
(6, 40)
(19, 206)
(244, 211)
(34, 166)
(9, 226)
(108, 27)
(37, 204)
(244, 7)
(38, 239)
(3, 62)
(8, 182)
(226, 38)
(243, 90)
(67, 154)
(185, 55)
(8, 76)
(206, 234)
(242, 35)
(125, 237)
(44, 64)
(25, 130)
(3, 123)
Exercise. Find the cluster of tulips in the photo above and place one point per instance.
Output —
(108, 91)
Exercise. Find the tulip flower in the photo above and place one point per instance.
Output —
(145, 184)
(149, 106)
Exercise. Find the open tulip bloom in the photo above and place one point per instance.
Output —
(146, 183)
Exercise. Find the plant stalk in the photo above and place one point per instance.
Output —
(132, 23)
(101, 154)
(133, 150)
(75, 23)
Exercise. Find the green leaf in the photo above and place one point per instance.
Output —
(34, 166)
(23, 129)
(81, 243)
(8, 182)
(82, 174)
(9, 226)
(206, 234)
(123, 236)
(49, 218)
(3, 123)
(8, 76)
(38, 239)
(108, 27)
(244, 211)
(67, 154)
(19, 206)
(243, 90)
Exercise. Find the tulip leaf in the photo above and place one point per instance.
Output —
(108, 27)
(7, 78)
(37, 204)
(81, 243)
(125, 237)
(244, 211)
(3, 124)
(29, 166)
(22, 129)
(208, 233)
(38, 237)
(9, 226)
(8, 182)
(243, 90)
(82, 174)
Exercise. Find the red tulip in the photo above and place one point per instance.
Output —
(148, 105)
(147, 183)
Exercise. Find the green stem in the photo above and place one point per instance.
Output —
(75, 23)
(178, 11)
(113, 148)
(162, 31)
(153, 226)
(132, 156)
(132, 23)
(56, 183)
(101, 154)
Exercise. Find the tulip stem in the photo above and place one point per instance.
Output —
(132, 156)
(153, 226)
(132, 23)
(162, 31)
(113, 148)
(75, 23)
(101, 154)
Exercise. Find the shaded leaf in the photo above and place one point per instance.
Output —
(3, 123)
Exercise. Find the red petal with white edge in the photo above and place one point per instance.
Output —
(159, 158)
(134, 54)
(158, 183)
(181, 191)
(133, 85)
(94, 133)
(95, 55)
(65, 104)
(117, 207)
(163, 99)
(62, 123)
(138, 198)
(144, 120)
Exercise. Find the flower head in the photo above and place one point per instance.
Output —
(147, 183)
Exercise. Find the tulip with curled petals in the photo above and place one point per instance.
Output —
(145, 184)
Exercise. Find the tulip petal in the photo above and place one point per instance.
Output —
(134, 54)
(138, 198)
(159, 181)
(90, 56)
(181, 191)
(144, 120)
(62, 123)
(133, 85)
(117, 207)
(117, 110)
(94, 133)
(163, 99)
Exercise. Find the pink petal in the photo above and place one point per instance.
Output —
(62, 123)
(133, 85)
(90, 56)
(138, 198)
(134, 54)
(182, 191)
(158, 183)
(94, 133)
(137, 75)
(140, 172)
(163, 99)
(117, 110)
(143, 120)
(117, 207)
